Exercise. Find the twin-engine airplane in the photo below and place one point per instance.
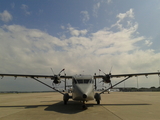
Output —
(83, 86)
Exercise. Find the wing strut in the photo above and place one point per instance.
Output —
(114, 85)
(47, 85)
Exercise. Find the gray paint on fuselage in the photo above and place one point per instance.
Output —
(82, 88)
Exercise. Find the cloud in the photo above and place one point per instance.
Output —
(22, 47)
(62, 27)
(85, 16)
(25, 8)
(148, 42)
(5, 16)
(12, 5)
(128, 14)
(32, 51)
(125, 20)
(95, 9)
(75, 32)
(109, 1)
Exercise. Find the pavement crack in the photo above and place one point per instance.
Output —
(112, 113)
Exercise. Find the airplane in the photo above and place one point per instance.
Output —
(83, 86)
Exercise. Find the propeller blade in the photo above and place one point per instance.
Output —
(52, 71)
(61, 71)
(102, 71)
(110, 70)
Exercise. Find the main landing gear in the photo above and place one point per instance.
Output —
(66, 98)
(97, 98)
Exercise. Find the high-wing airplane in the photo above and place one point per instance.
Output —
(83, 86)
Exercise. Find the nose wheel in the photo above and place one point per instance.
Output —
(84, 106)
(65, 102)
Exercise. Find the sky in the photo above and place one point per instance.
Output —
(80, 36)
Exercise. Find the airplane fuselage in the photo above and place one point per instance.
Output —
(83, 88)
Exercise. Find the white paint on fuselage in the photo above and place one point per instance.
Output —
(82, 87)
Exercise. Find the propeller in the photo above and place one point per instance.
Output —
(107, 77)
(56, 78)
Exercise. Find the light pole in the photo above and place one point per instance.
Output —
(159, 78)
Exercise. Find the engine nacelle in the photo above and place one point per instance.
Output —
(106, 79)
(56, 79)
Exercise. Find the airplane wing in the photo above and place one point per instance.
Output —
(32, 76)
(136, 74)
(128, 75)
(106, 78)
(53, 77)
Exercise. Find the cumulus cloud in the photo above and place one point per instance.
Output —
(148, 42)
(23, 46)
(125, 20)
(33, 51)
(5, 16)
(128, 14)
(75, 32)
(85, 16)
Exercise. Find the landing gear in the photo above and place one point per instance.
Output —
(98, 102)
(65, 98)
(97, 98)
(84, 105)
(65, 102)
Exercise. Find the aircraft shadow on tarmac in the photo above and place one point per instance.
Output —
(125, 104)
(75, 107)
(71, 108)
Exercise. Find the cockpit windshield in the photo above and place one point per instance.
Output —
(82, 81)
(86, 81)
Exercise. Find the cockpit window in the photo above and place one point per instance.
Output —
(74, 81)
(82, 81)
(86, 81)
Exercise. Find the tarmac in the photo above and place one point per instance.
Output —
(49, 106)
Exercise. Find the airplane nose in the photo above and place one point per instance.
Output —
(84, 96)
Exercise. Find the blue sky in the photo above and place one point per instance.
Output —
(79, 36)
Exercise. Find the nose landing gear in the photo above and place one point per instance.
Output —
(84, 106)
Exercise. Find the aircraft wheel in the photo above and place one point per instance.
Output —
(84, 106)
(98, 102)
(98, 98)
(66, 98)
(65, 102)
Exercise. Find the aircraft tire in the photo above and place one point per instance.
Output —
(65, 102)
(97, 98)
(66, 98)
(84, 107)
(98, 102)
